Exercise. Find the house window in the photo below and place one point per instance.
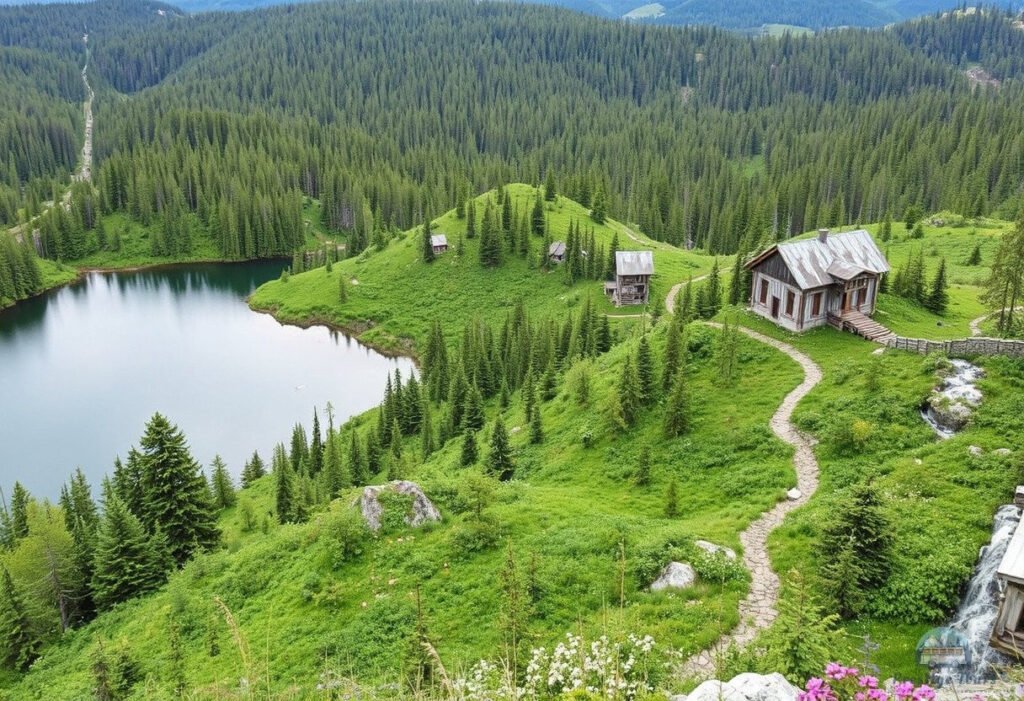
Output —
(861, 295)
(790, 300)
(764, 292)
(816, 304)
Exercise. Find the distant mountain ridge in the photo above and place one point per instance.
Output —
(746, 15)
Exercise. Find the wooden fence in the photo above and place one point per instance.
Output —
(961, 348)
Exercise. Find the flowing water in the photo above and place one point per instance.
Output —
(83, 368)
(951, 404)
(979, 605)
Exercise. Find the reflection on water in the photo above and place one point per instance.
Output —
(82, 369)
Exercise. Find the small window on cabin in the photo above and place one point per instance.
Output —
(764, 292)
(816, 304)
(790, 300)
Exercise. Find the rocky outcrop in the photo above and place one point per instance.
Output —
(421, 510)
(744, 687)
(675, 575)
(951, 405)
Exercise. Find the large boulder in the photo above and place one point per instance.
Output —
(712, 549)
(675, 575)
(421, 510)
(744, 687)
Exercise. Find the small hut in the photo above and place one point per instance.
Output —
(439, 242)
(556, 252)
(633, 271)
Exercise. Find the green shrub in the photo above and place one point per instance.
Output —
(474, 535)
(344, 534)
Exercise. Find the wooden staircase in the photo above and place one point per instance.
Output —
(862, 325)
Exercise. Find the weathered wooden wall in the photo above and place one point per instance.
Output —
(961, 348)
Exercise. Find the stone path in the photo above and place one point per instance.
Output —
(670, 300)
(757, 610)
(976, 323)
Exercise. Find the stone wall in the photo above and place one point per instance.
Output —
(961, 348)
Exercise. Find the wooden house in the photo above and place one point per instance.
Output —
(556, 252)
(1008, 631)
(633, 271)
(439, 242)
(830, 279)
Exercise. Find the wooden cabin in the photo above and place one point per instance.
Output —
(556, 252)
(439, 242)
(1008, 631)
(633, 271)
(830, 279)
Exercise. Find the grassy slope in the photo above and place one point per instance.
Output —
(571, 507)
(399, 297)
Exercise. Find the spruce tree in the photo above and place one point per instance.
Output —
(645, 371)
(357, 466)
(549, 186)
(713, 287)
(254, 469)
(599, 207)
(677, 411)
(221, 485)
(672, 500)
(642, 477)
(19, 645)
(284, 492)
(473, 415)
(975, 257)
(604, 335)
(471, 220)
(499, 459)
(938, 298)
(630, 397)
(537, 217)
(19, 511)
(736, 281)
(176, 500)
(885, 231)
(673, 355)
(316, 447)
(858, 521)
(426, 245)
(335, 476)
(342, 288)
(128, 562)
(536, 428)
(469, 454)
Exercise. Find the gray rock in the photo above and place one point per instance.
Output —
(711, 549)
(744, 687)
(975, 450)
(794, 494)
(421, 511)
(1002, 451)
(676, 575)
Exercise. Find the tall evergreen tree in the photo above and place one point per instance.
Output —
(176, 499)
(645, 371)
(677, 411)
(499, 459)
(938, 297)
(19, 645)
(469, 454)
(221, 485)
(425, 243)
(254, 469)
(629, 394)
(128, 562)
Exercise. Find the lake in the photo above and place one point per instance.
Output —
(83, 368)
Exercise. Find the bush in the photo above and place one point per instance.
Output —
(850, 437)
(474, 536)
(345, 534)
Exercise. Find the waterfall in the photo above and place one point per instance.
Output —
(979, 606)
(950, 406)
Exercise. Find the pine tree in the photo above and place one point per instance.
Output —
(536, 428)
(599, 207)
(672, 500)
(426, 245)
(221, 485)
(316, 447)
(736, 282)
(176, 500)
(975, 257)
(604, 335)
(629, 395)
(859, 522)
(803, 638)
(471, 220)
(427, 445)
(713, 293)
(469, 455)
(938, 297)
(549, 186)
(19, 646)
(537, 217)
(396, 440)
(673, 355)
(643, 467)
(357, 466)
(128, 562)
(254, 469)
(645, 371)
(335, 476)
(284, 492)
(684, 306)
(885, 231)
(677, 412)
(499, 459)
(609, 273)
(19, 511)
(342, 288)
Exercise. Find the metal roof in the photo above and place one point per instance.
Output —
(811, 261)
(1012, 565)
(634, 263)
(438, 240)
(557, 249)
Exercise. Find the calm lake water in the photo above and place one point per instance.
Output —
(83, 368)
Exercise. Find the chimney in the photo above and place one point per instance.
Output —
(823, 235)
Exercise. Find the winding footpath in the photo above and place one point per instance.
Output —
(84, 171)
(758, 610)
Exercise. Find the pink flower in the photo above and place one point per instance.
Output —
(868, 681)
(924, 693)
(903, 690)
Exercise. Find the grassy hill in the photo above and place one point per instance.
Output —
(393, 297)
(288, 607)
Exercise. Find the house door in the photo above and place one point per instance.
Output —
(775, 307)
(846, 301)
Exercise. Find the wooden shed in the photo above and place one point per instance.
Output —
(830, 279)
(633, 271)
(439, 242)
